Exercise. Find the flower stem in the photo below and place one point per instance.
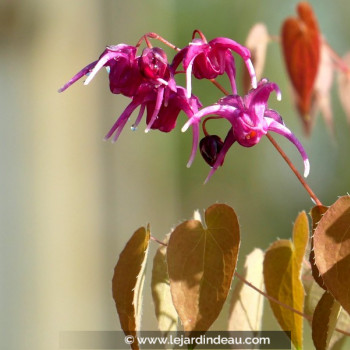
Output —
(156, 37)
(295, 171)
(158, 241)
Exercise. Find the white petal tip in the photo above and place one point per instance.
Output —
(254, 82)
(279, 96)
(185, 127)
(306, 168)
(147, 130)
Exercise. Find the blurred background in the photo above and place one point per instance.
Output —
(69, 201)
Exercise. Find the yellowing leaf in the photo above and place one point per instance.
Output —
(344, 86)
(128, 281)
(282, 269)
(201, 262)
(246, 304)
(324, 321)
(332, 250)
(164, 308)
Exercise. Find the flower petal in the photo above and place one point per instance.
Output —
(121, 121)
(284, 131)
(256, 100)
(224, 111)
(80, 74)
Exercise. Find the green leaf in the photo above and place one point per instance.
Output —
(282, 270)
(127, 282)
(201, 262)
(332, 250)
(247, 304)
(324, 321)
(164, 308)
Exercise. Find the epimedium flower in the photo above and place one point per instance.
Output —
(207, 60)
(147, 79)
(121, 63)
(167, 113)
(250, 120)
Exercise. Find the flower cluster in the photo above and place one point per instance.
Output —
(148, 79)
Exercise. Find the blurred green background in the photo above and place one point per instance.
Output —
(69, 201)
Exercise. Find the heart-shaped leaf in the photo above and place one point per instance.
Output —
(332, 250)
(127, 282)
(344, 86)
(322, 88)
(324, 321)
(164, 308)
(257, 41)
(313, 295)
(316, 215)
(201, 262)
(246, 304)
(301, 48)
(282, 269)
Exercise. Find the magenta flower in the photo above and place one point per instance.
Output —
(166, 116)
(250, 119)
(124, 73)
(147, 79)
(207, 60)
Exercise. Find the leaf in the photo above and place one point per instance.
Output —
(324, 321)
(332, 250)
(313, 295)
(344, 86)
(201, 262)
(257, 41)
(246, 304)
(316, 215)
(127, 282)
(301, 48)
(164, 308)
(322, 88)
(282, 268)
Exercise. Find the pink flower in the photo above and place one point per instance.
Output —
(166, 116)
(147, 79)
(250, 119)
(207, 60)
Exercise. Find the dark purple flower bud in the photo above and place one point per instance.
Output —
(210, 146)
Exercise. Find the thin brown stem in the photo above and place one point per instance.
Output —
(309, 318)
(155, 36)
(295, 171)
(219, 86)
(197, 31)
(271, 298)
(158, 241)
